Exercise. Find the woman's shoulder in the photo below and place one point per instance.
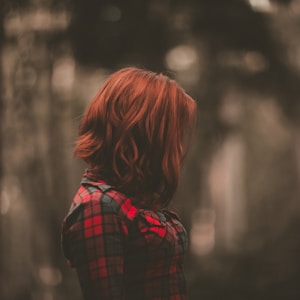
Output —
(159, 219)
(98, 193)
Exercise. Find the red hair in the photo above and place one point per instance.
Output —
(133, 132)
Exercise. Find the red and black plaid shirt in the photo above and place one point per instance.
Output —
(120, 251)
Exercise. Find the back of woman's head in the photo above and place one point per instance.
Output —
(133, 133)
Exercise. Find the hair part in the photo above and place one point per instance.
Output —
(133, 132)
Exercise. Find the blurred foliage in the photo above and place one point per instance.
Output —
(107, 33)
(145, 31)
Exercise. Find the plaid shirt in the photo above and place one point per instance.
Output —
(120, 251)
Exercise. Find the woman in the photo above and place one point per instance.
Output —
(119, 235)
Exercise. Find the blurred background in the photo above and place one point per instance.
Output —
(239, 193)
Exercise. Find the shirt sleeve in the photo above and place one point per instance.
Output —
(93, 243)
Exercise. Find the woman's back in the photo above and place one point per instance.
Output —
(129, 252)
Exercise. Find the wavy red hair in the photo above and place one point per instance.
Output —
(133, 133)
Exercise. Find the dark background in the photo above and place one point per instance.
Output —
(239, 193)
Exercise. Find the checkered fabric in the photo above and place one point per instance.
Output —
(120, 251)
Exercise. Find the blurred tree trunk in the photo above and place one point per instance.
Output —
(36, 139)
(1, 148)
